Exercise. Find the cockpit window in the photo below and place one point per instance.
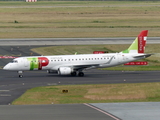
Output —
(14, 61)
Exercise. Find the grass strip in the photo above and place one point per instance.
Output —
(66, 19)
(136, 92)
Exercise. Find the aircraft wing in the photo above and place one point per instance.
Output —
(90, 66)
(78, 67)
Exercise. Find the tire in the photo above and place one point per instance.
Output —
(74, 73)
(20, 76)
(80, 74)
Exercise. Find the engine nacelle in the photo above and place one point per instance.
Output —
(64, 70)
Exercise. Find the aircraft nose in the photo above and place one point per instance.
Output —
(6, 67)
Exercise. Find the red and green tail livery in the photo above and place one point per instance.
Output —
(138, 45)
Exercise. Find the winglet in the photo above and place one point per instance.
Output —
(138, 45)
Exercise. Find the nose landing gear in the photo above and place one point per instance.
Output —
(20, 74)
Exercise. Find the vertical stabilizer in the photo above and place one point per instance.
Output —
(138, 45)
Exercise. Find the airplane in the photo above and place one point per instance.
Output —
(77, 63)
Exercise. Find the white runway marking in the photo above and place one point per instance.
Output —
(4, 90)
(5, 95)
(102, 111)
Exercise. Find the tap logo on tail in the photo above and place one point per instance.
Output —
(142, 37)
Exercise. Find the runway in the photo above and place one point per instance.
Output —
(11, 87)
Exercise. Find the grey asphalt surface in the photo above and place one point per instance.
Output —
(52, 112)
(11, 87)
(73, 41)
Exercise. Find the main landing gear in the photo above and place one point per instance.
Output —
(20, 74)
(80, 74)
(74, 73)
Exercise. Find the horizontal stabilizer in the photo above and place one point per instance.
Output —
(145, 56)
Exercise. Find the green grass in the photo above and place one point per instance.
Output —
(137, 92)
(89, 19)
(73, 3)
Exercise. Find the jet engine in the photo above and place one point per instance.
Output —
(64, 70)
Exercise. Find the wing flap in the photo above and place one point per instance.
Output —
(77, 67)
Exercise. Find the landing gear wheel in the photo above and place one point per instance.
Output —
(80, 74)
(20, 76)
(74, 73)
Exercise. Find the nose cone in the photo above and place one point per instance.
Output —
(6, 67)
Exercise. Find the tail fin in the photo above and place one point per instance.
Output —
(138, 45)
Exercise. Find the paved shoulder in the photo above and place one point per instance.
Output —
(132, 111)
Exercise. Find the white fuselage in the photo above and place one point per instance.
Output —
(85, 61)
